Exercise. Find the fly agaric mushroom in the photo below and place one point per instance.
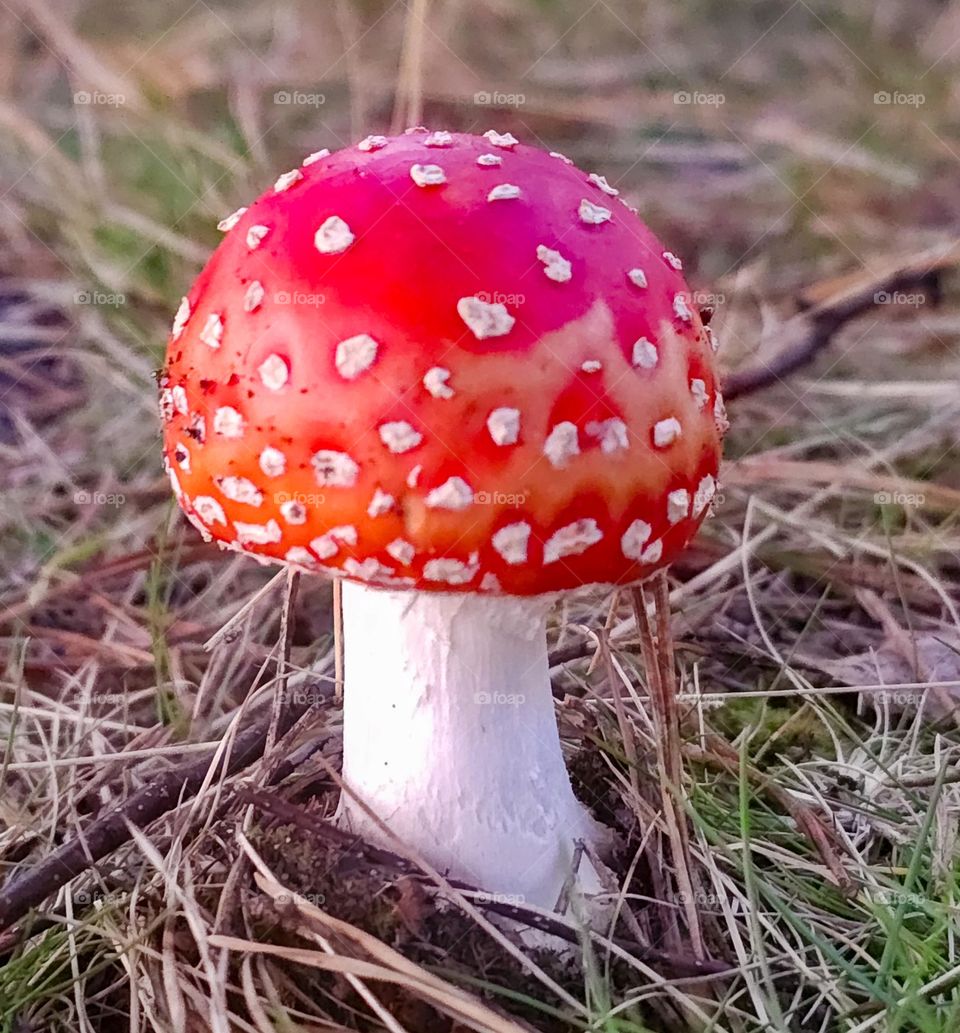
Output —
(464, 376)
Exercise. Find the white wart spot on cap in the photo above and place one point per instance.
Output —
(653, 553)
(555, 266)
(485, 318)
(512, 542)
(635, 538)
(287, 180)
(454, 494)
(212, 333)
(179, 395)
(671, 259)
(593, 214)
(645, 354)
(611, 434)
(712, 339)
(165, 402)
(253, 298)
(328, 544)
(402, 551)
(226, 224)
(272, 461)
(489, 160)
(372, 143)
(427, 175)
(591, 366)
(413, 477)
(490, 583)
(180, 319)
(637, 277)
(228, 422)
(504, 192)
(698, 388)
(382, 502)
(666, 432)
(368, 569)
(239, 489)
(399, 436)
(435, 381)
(504, 425)
(496, 139)
(571, 540)
(300, 557)
(601, 181)
(704, 494)
(333, 236)
(255, 236)
(274, 372)
(562, 444)
(441, 138)
(562, 157)
(720, 414)
(678, 505)
(324, 152)
(452, 572)
(293, 512)
(681, 309)
(258, 534)
(209, 510)
(334, 469)
(354, 355)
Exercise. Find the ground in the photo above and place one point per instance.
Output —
(796, 155)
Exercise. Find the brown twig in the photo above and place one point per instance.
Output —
(809, 332)
(166, 791)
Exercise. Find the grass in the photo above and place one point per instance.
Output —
(812, 616)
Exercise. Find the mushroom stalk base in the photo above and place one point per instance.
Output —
(449, 736)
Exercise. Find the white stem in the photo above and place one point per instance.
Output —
(449, 736)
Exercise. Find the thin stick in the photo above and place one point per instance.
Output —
(338, 639)
(811, 331)
(658, 662)
(283, 666)
(408, 109)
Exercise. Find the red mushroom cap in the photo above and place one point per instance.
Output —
(444, 361)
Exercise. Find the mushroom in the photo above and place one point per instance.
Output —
(462, 399)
